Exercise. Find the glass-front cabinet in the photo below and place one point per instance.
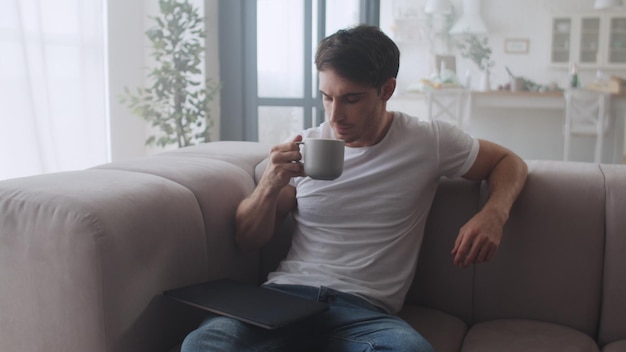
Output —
(589, 45)
(561, 39)
(617, 40)
(592, 41)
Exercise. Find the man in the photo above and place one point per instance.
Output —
(357, 238)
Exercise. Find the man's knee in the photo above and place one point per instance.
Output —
(409, 340)
(215, 334)
(392, 337)
(400, 339)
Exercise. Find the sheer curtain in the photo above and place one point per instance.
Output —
(52, 86)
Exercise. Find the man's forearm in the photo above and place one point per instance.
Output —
(505, 183)
(258, 215)
(480, 237)
(255, 219)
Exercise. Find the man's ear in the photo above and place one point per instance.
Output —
(388, 88)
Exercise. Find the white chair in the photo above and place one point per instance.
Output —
(452, 105)
(586, 114)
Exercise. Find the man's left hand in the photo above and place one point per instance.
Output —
(478, 239)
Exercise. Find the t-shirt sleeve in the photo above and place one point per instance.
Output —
(457, 150)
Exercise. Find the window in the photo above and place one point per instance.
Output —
(278, 75)
(52, 87)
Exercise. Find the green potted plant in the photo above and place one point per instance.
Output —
(176, 101)
(477, 49)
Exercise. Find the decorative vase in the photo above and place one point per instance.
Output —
(485, 84)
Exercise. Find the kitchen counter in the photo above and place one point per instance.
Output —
(529, 123)
(518, 100)
(549, 100)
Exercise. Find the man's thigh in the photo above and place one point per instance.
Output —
(370, 331)
(219, 333)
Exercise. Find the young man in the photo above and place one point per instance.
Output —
(357, 238)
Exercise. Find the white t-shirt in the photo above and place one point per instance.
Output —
(362, 233)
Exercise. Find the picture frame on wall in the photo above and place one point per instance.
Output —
(516, 46)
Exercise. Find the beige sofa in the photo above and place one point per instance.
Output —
(85, 255)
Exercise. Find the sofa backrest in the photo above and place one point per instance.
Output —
(549, 266)
(438, 283)
(561, 259)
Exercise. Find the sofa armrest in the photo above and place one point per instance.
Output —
(85, 255)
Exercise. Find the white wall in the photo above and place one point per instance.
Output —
(129, 60)
(126, 68)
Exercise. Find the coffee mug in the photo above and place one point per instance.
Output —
(323, 158)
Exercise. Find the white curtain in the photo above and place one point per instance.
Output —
(52, 86)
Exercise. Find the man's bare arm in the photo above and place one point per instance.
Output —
(258, 215)
(505, 173)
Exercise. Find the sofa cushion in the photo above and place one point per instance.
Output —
(444, 331)
(525, 335)
(617, 346)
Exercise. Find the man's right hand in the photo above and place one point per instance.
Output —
(283, 164)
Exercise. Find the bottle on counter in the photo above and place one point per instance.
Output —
(574, 81)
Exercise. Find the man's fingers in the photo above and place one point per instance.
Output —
(457, 244)
(493, 248)
(471, 248)
(483, 254)
(481, 251)
(464, 242)
(476, 246)
(285, 156)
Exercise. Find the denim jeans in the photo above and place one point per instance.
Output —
(351, 324)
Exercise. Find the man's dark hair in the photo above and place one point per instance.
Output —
(362, 54)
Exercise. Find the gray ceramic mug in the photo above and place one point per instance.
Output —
(323, 158)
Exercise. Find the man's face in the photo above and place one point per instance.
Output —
(356, 112)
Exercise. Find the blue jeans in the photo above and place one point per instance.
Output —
(350, 324)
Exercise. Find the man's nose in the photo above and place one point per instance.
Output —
(335, 112)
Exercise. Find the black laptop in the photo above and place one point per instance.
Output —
(252, 304)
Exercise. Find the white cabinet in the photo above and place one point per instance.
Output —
(591, 41)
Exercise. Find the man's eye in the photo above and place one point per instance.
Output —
(352, 100)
